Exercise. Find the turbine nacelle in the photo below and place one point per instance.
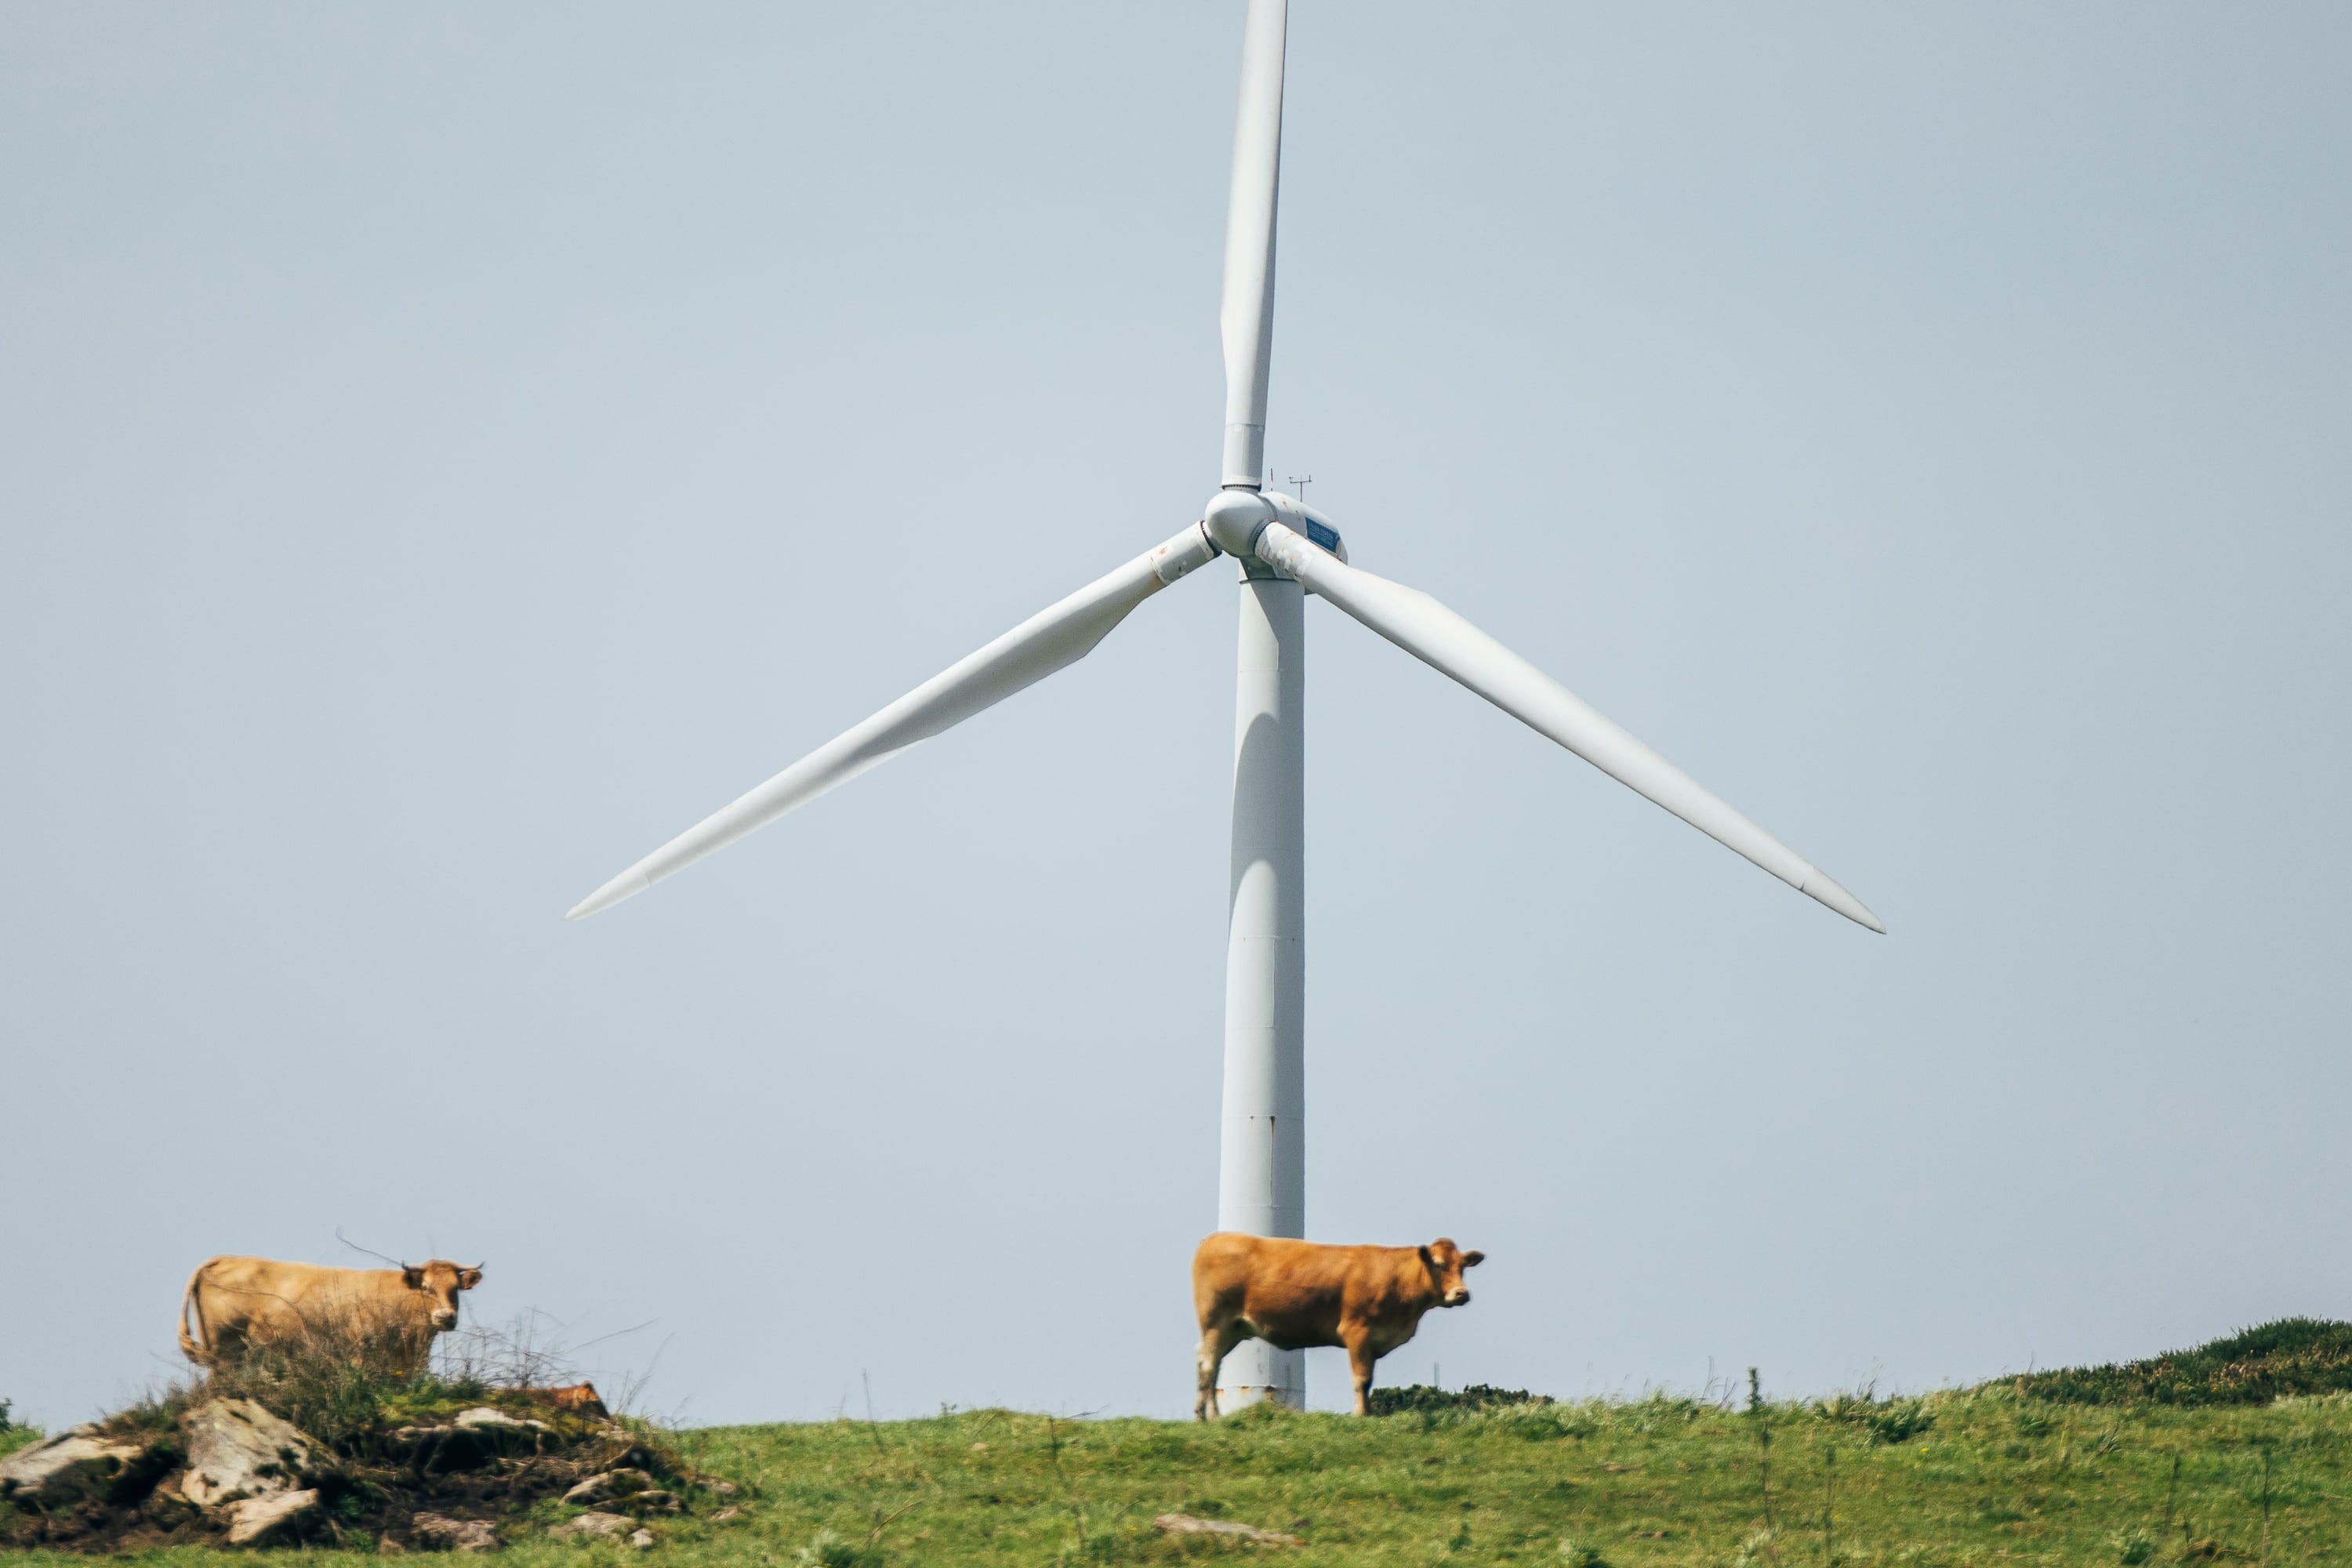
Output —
(1236, 518)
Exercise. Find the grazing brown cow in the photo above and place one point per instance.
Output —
(1293, 1294)
(241, 1302)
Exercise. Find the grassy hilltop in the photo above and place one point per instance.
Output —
(2239, 1452)
(1995, 1478)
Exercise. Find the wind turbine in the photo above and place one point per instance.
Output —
(1285, 550)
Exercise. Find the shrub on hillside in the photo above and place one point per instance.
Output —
(1895, 1419)
(826, 1549)
(340, 1386)
(15, 1433)
(346, 1383)
(2291, 1356)
(1477, 1396)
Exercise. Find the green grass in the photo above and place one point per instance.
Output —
(1982, 1477)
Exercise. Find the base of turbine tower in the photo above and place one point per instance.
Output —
(1255, 1370)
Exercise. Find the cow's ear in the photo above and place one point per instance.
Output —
(1472, 1259)
(413, 1277)
(469, 1278)
(1426, 1260)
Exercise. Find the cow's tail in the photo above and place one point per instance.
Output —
(188, 1302)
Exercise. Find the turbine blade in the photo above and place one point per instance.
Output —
(1247, 317)
(1452, 645)
(1051, 639)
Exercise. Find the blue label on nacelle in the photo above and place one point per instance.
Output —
(1327, 539)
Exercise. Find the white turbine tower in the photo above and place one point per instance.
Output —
(1285, 550)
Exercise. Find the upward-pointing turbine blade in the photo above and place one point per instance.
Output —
(1452, 645)
(1051, 639)
(1245, 319)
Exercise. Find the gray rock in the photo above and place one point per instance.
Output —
(67, 1465)
(237, 1450)
(727, 1515)
(442, 1533)
(482, 1416)
(641, 1539)
(1185, 1524)
(717, 1487)
(595, 1525)
(411, 1435)
(281, 1516)
(608, 1484)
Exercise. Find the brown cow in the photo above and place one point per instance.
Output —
(241, 1302)
(1293, 1294)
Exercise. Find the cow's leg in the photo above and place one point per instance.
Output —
(1360, 1359)
(1206, 1361)
(1217, 1342)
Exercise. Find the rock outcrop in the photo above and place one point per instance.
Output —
(231, 1472)
(278, 1517)
(70, 1465)
(605, 1526)
(442, 1533)
(237, 1450)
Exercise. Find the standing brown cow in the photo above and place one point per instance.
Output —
(240, 1302)
(1293, 1294)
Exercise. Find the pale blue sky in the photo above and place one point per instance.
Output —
(446, 451)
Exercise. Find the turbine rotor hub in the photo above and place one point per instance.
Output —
(1234, 518)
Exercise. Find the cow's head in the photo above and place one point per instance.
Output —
(439, 1281)
(1445, 1263)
